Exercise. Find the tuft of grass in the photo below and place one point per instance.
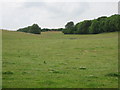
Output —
(63, 63)
(53, 71)
(113, 75)
(82, 68)
(92, 76)
(7, 72)
(56, 71)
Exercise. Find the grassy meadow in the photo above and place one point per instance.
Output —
(55, 60)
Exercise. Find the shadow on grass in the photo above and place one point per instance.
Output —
(7, 72)
(113, 75)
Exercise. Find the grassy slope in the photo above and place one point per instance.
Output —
(24, 56)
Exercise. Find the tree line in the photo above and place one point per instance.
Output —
(96, 26)
(35, 29)
(47, 29)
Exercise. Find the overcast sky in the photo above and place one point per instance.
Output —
(52, 14)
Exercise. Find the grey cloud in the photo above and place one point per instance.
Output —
(51, 14)
(59, 9)
(33, 4)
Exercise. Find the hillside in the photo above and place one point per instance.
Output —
(55, 60)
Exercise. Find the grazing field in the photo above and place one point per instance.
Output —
(55, 60)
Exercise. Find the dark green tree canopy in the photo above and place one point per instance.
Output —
(83, 27)
(99, 25)
(101, 18)
(69, 25)
(69, 28)
(35, 29)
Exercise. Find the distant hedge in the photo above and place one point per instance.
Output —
(47, 29)
(35, 29)
(99, 25)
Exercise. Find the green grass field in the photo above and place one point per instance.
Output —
(55, 60)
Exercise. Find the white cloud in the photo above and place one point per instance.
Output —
(60, 0)
(51, 14)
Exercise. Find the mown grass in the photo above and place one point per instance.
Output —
(55, 60)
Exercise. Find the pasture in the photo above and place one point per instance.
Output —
(55, 60)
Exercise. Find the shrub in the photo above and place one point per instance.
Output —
(35, 29)
(69, 28)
